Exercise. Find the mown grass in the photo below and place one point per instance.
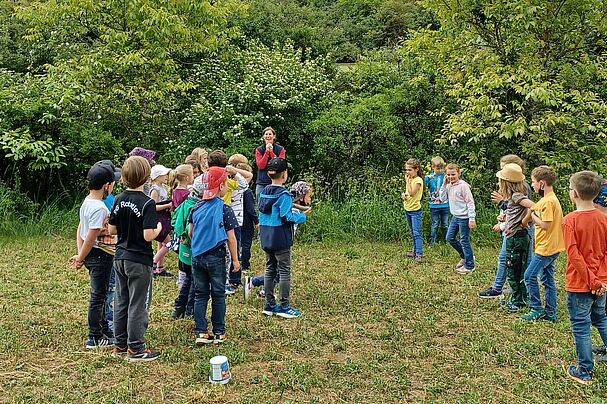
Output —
(376, 328)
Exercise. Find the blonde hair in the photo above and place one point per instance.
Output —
(180, 173)
(437, 162)
(244, 166)
(587, 184)
(513, 159)
(199, 154)
(135, 172)
(508, 188)
(416, 165)
(237, 158)
(452, 166)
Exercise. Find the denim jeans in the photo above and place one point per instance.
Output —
(259, 280)
(246, 241)
(585, 309)
(235, 277)
(209, 274)
(500, 273)
(414, 219)
(186, 291)
(109, 302)
(544, 267)
(99, 264)
(439, 217)
(462, 246)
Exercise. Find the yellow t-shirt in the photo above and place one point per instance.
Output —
(551, 241)
(232, 186)
(414, 201)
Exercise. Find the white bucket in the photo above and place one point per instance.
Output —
(220, 370)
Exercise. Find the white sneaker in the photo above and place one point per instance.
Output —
(464, 271)
(460, 264)
(248, 286)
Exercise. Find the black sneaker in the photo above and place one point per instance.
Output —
(143, 355)
(489, 293)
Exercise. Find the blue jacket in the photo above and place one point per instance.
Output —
(276, 218)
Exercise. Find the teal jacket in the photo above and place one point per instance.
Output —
(180, 227)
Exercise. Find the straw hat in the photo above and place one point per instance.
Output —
(511, 173)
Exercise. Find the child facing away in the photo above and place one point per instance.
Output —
(302, 194)
(160, 195)
(439, 210)
(249, 222)
(414, 189)
(211, 224)
(276, 220)
(516, 236)
(547, 215)
(461, 205)
(96, 250)
(495, 290)
(134, 220)
(585, 233)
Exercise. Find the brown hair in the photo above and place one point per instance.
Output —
(508, 188)
(513, 159)
(544, 173)
(417, 166)
(217, 158)
(194, 163)
(587, 184)
(269, 128)
(237, 158)
(135, 172)
(452, 166)
(244, 166)
(437, 162)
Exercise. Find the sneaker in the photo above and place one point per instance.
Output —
(580, 377)
(545, 317)
(119, 350)
(489, 293)
(99, 343)
(219, 338)
(418, 259)
(600, 358)
(599, 349)
(532, 315)
(410, 254)
(178, 312)
(270, 310)
(248, 287)
(261, 293)
(511, 307)
(204, 338)
(464, 270)
(143, 355)
(286, 312)
(460, 264)
(229, 290)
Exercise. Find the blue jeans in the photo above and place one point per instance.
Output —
(109, 302)
(246, 241)
(462, 246)
(439, 217)
(99, 264)
(414, 219)
(500, 274)
(209, 274)
(544, 267)
(585, 309)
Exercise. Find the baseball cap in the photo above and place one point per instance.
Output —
(212, 180)
(103, 172)
(159, 170)
(277, 165)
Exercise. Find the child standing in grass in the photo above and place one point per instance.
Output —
(160, 195)
(211, 224)
(585, 233)
(249, 222)
(276, 220)
(461, 205)
(439, 210)
(96, 250)
(414, 189)
(516, 236)
(133, 219)
(547, 215)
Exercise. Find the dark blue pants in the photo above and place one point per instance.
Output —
(236, 276)
(246, 241)
(99, 264)
(209, 274)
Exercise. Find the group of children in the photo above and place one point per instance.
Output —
(533, 236)
(211, 227)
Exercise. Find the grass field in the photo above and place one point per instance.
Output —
(375, 328)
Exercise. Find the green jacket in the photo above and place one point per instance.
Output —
(180, 227)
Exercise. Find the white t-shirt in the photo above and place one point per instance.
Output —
(93, 215)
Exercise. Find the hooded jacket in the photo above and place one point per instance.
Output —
(276, 218)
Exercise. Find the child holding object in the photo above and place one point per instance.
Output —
(461, 205)
(414, 189)
(585, 233)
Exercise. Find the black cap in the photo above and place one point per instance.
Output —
(277, 165)
(103, 172)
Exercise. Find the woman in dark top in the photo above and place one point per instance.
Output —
(269, 150)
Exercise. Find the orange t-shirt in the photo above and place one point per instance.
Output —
(586, 241)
